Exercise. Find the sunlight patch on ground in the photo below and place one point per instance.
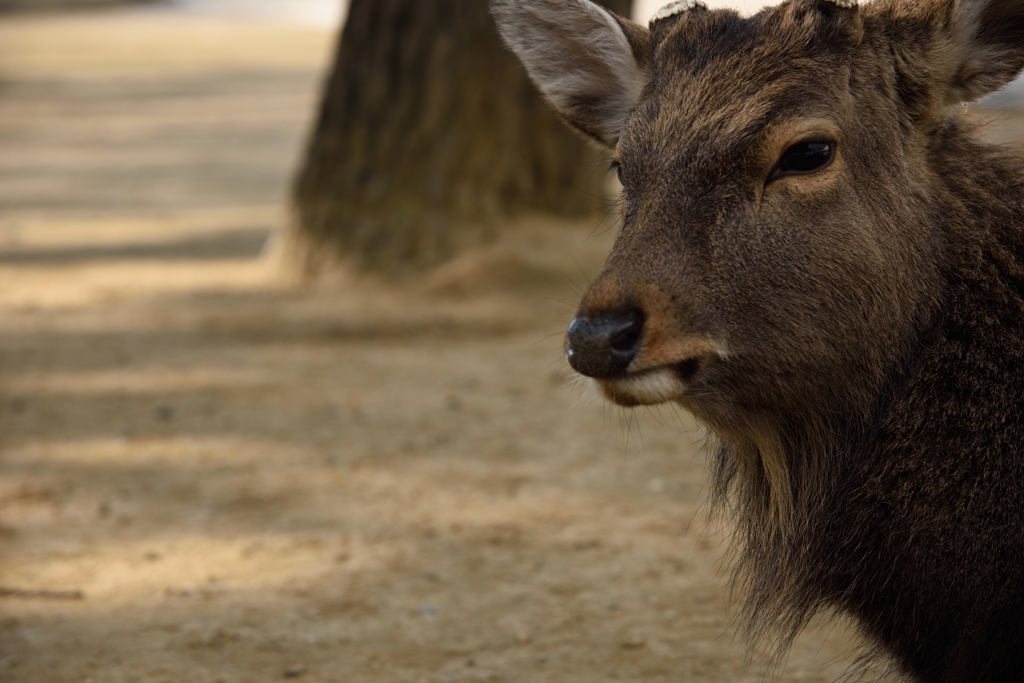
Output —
(142, 381)
(108, 282)
(83, 46)
(155, 451)
(204, 565)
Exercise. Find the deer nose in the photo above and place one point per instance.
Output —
(604, 347)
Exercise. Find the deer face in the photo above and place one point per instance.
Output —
(780, 234)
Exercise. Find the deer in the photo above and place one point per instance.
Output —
(821, 259)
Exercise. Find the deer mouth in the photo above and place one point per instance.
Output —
(651, 386)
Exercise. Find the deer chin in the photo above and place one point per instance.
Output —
(646, 388)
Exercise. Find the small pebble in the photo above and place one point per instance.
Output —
(429, 609)
(166, 413)
(470, 662)
(634, 641)
(294, 671)
(18, 404)
(542, 657)
(700, 598)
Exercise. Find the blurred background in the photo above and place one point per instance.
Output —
(282, 390)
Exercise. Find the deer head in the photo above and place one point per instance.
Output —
(781, 233)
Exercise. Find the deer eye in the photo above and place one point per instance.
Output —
(803, 158)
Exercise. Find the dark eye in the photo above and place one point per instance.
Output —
(803, 158)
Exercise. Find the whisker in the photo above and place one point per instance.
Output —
(582, 272)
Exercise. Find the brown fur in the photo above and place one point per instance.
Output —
(853, 338)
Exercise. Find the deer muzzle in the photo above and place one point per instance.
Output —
(605, 346)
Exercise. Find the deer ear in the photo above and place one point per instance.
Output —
(986, 46)
(590, 65)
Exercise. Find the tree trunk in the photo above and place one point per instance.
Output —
(429, 130)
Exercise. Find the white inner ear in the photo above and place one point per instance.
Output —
(579, 57)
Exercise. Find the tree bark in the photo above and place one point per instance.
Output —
(429, 131)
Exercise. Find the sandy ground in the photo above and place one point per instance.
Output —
(209, 475)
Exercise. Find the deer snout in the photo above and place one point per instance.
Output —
(604, 347)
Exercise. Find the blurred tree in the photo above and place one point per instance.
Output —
(429, 129)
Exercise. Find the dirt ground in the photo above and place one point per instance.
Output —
(210, 474)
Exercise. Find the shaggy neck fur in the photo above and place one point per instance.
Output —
(905, 509)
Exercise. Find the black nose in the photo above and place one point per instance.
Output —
(604, 347)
